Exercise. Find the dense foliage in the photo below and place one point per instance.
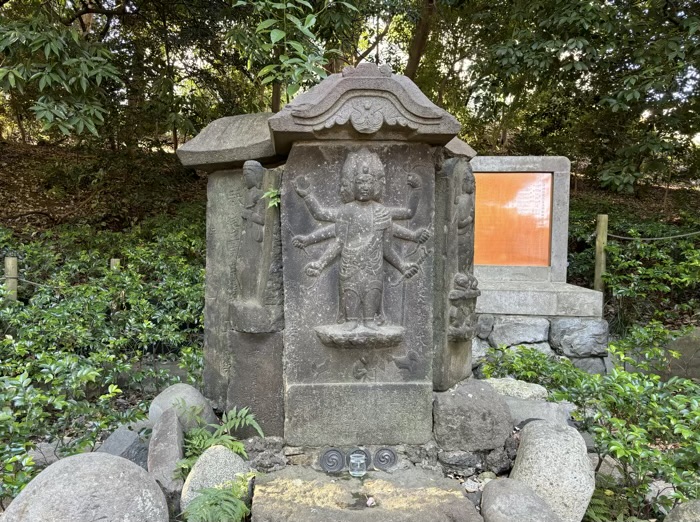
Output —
(83, 347)
(645, 280)
(613, 86)
(651, 427)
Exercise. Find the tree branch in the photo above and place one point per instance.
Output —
(120, 11)
(371, 48)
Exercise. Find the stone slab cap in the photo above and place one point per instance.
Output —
(229, 142)
(364, 102)
(457, 147)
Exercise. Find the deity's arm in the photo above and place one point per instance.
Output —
(413, 200)
(255, 217)
(392, 256)
(417, 236)
(318, 235)
(330, 254)
(317, 211)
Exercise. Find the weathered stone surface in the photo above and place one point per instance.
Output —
(190, 405)
(362, 102)
(590, 364)
(457, 147)
(165, 449)
(215, 467)
(498, 461)
(90, 487)
(228, 142)
(508, 500)
(471, 417)
(257, 305)
(579, 337)
(45, 453)
(244, 268)
(479, 350)
(484, 325)
(257, 379)
(553, 461)
(540, 347)
(518, 389)
(465, 462)
(454, 320)
(366, 413)
(302, 495)
(504, 292)
(358, 257)
(524, 409)
(266, 454)
(688, 364)
(127, 444)
(686, 512)
(515, 330)
(610, 467)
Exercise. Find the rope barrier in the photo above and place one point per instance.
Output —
(654, 238)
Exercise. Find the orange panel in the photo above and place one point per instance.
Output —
(513, 219)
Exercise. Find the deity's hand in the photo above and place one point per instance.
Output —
(410, 270)
(313, 269)
(413, 180)
(302, 186)
(300, 241)
(423, 235)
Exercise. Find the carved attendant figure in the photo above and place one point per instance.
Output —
(250, 249)
(363, 232)
(464, 215)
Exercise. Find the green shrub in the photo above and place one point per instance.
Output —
(82, 347)
(650, 426)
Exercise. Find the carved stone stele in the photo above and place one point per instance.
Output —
(363, 103)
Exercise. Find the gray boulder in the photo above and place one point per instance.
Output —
(518, 389)
(553, 461)
(217, 466)
(516, 330)
(191, 406)
(524, 409)
(484, 325)
(540, 347)
(471, 417)
(479, 349)
(579, 337)
(126, 443)
(590, 364)
(90, 487)
(508, 500)
(165, 449)
(686, 512)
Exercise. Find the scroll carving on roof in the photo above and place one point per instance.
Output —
(363, 102)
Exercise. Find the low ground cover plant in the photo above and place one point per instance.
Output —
(650, 426)
(82, 349)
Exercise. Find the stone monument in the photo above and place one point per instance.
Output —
(336, 315)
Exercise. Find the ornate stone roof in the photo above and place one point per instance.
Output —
(364, 102)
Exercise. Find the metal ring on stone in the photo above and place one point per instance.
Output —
(367, 454)
(332, 461)
(385, 458)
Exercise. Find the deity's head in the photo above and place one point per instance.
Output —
(362, 177)
(253, 174)
(463, 171)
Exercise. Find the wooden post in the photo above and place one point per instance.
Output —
(114, 263)
(601, 241)
(11, 276)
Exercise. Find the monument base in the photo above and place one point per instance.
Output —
(337, 414)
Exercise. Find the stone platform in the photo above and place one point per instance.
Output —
(298, 494)
(538, 298)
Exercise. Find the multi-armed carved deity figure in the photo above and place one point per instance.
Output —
(363, 232)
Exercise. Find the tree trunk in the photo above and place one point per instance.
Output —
(18, 117)
(276, 96)
(420, 38)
